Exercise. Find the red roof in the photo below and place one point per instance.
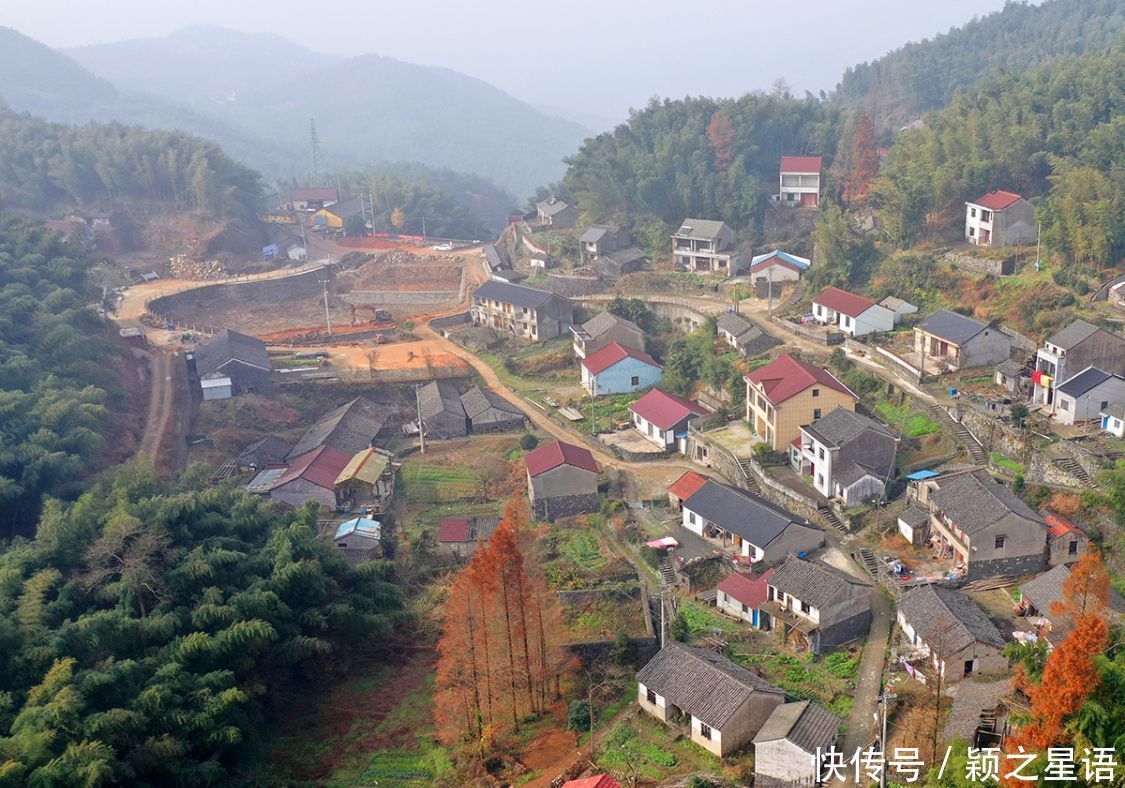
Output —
(775, 260)
(1060, 526)
(997, 200)
(601, 360)
(454, 529)
(687, 485)
(665, 410)
(597, 781)
(786, 377)
(314, 193)
(750, 590)
(800, 164)
(319, 466)
(558, 453)
(843, 302)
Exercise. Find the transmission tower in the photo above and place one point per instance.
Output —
(315, 141)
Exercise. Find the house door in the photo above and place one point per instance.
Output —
(809, 200)
(969, 666)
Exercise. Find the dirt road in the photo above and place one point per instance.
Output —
(160, 407)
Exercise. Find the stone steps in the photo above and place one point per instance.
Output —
(964, 437)
(1075, 469)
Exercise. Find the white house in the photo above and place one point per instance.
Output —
(791, 746)
(855, 315)
(1083, 397)
(1113, 419)
(777, 266)
(849, 457)
(1000, 218)
(663, 418)
(799, 182)
(899, 306)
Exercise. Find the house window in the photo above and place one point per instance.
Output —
(745, 609)
(973, 212)
(1000, 540)
(705, 731)
(650, 696)
(816, 414)
(816, 392)
(847, 321)
(820, 452)
(820, 479)
(805, 607)
(1064, 404)
(1072, 548)
(635, 381)
(972, 232)
(691, 517)
(770, 593)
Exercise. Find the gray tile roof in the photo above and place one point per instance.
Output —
(804, 723)
(700, 228)
(914, 516)
(604, 321)
(841, 426)
(947, 620)
(1010, 368)
(952, 327)
(551, 206)
(497, 260)
(268, 450)
(703, 684)
(517, 295)
(849, 472)
(1073, 334)
(595, 232)
(1046, 589)
(975, 500)
(1115, 409)
(487, 407)
(230, 345)
(736, 325)
(350, 428)
(816, 582)
(971, 699)
(741, 513)
(1085, 380)
(438, 397)
(894, 302)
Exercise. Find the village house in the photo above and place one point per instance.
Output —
(311, 476)
(723, 704)
(230, 364)
(556, 214)
(744, 336)
(663, 418)
(269, 452)
(601, 239)
(777, 266)
(705, 245)
(914, 524)
(849, 457)
(496, 260)
(335, 217)
(618, 263)
(685, 487)
(950, 341)
(459, 536)
(1083, 397)
(741, 596)
(757, 530)
(900, 307)
(443, 415)
(595, 781)
(312, 198)
(792, 745)
(1000, 218)
(953, 634)
(855, 315)
(1070, 350)
(604, 328)
(350, 428)
(787, 394)
(359, 539)
(366, 482)
(617, 369)
(1066, 542)
(985, 527)
(814, 607)
(488, 412)
(1113, 419)
(520, 310)
(799, 181)
(1010, 375)
(562, 480)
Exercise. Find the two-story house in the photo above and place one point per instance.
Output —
(556, 214)
(605, 328)
(601, 239)
(799, 181)
(562, 480)
(757, 530)
(523, 311)
(1069, 351)
(849, 457)
(617, 369)
(1000, 218)
(705, 245)
(816, 606)
(787, 394)
(855, 315)
(950, 341)
(956, 637)
(722, 704)
(984, 526)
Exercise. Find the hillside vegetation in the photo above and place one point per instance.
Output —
(925, 75)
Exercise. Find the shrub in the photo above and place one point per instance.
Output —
(528, 441)
(578, 715)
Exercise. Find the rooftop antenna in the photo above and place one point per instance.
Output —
(314, 140)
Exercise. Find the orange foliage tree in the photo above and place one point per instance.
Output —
(1069, 675)
(864, 161)
(499, 659)
(720, 135)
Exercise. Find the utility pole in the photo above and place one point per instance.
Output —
(1038, 234)
(662, 615)
(421, 427)
(423, 229)
(327, 315)
(884, 699)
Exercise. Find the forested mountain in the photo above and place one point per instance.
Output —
(47, 165)
(144, 630)
(697, 157)
(1055, 134)
(59, 373)
(925, 75)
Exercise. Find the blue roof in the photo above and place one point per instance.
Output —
(918, 476)
(358, 525)
(800, 262)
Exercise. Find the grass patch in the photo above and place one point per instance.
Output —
(828, 680)
(704, 620)
(644, 745)
(914, 424)
(1009, 465)
(427, 482)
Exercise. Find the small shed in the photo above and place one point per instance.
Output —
(914, 524)
(488, 412)
(359, 539)
(216, 386)
(367, 480)
(792, 744)
(459, 536)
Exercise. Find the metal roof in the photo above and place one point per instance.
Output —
(918, 476)
(552, 455)
(359, 525)
(366, 466)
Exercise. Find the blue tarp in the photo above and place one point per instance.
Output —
(918, 476)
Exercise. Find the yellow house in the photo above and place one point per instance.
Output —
(787, 394)
(334, 216)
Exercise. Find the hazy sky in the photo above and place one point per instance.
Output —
(585, 56)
